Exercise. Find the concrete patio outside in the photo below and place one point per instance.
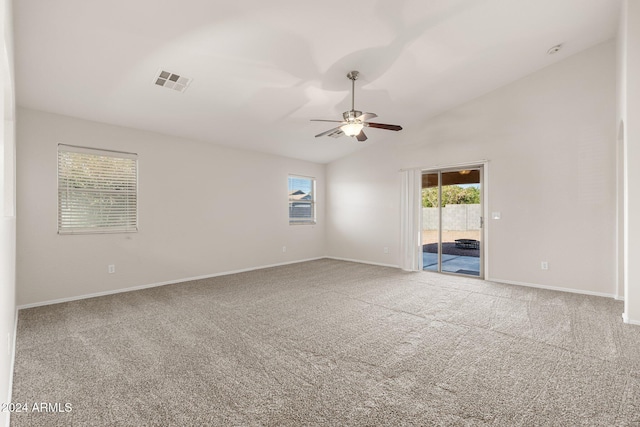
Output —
(454, 260)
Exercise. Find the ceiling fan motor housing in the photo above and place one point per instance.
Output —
(351, 115)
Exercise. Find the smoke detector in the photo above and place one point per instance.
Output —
(172, 81)
(554, 49)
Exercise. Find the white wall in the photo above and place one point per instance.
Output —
(629, 122)
(7, 209)
(203, 210)
(550, 141)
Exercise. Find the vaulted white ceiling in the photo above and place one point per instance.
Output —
(262, 69)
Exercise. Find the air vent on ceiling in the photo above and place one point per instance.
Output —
(172, 81)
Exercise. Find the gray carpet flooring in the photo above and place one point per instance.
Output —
(330, 343)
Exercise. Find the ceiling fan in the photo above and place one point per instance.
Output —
(354, 121)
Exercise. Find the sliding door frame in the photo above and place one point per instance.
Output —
(484, 203)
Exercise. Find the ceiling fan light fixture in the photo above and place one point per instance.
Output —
(352, 129)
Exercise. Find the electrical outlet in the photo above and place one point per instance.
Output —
(386, 250)
(111, 268)
(544, 265)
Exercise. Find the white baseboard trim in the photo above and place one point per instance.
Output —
(553, 288)
(154, 285)
(244, 270)
(362, 262)
(619, 298)
(628, 321)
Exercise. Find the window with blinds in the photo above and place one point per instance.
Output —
(302, 200)
(97, 191)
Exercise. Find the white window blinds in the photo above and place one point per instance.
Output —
(97, 191)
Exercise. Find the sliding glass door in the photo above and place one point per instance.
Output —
(452, 221)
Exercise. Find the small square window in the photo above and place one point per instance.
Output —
(302, 200)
